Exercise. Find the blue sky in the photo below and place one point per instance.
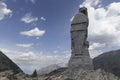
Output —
(36, 33)
(56, 25)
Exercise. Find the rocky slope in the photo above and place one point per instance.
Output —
(9, 75)
(8, 64)
(79, 74)
(108, 61)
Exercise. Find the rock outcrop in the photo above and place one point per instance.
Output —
(81, 75)
(9, 75)
(80, 57)
(109, 62)
(8, 64)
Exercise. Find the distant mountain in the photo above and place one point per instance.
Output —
(8, 64)
(50, 68)
(108, 61)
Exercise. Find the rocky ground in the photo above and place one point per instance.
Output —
(63, 74)
(80, 75)
(9, 75)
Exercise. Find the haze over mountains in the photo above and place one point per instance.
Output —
(8, 64)
(50, 68)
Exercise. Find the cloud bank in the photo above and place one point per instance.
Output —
(104, 26)
(34, 60)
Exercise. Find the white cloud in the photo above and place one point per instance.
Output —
(43, 18)
(38, 60)
(4, 11)
(28, 18)
(94, 53)
(4, 50)
(34, 32)
(95, 49)
(103, 25)
(96, 46)
(90, 3)
(34, 60)
(25, 45)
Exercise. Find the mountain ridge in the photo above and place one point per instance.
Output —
(7, 64)
(108, 61)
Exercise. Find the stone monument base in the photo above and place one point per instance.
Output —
(84, 62)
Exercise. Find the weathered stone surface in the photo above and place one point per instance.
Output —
(79, 30)
(6, 75)
(81, 16)
(9, 75)
(75, 74)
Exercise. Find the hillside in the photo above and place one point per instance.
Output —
(8, 64)
(108, 61)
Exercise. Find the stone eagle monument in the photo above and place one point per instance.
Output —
(80, 57)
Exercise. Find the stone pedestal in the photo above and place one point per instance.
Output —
(80, 57)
